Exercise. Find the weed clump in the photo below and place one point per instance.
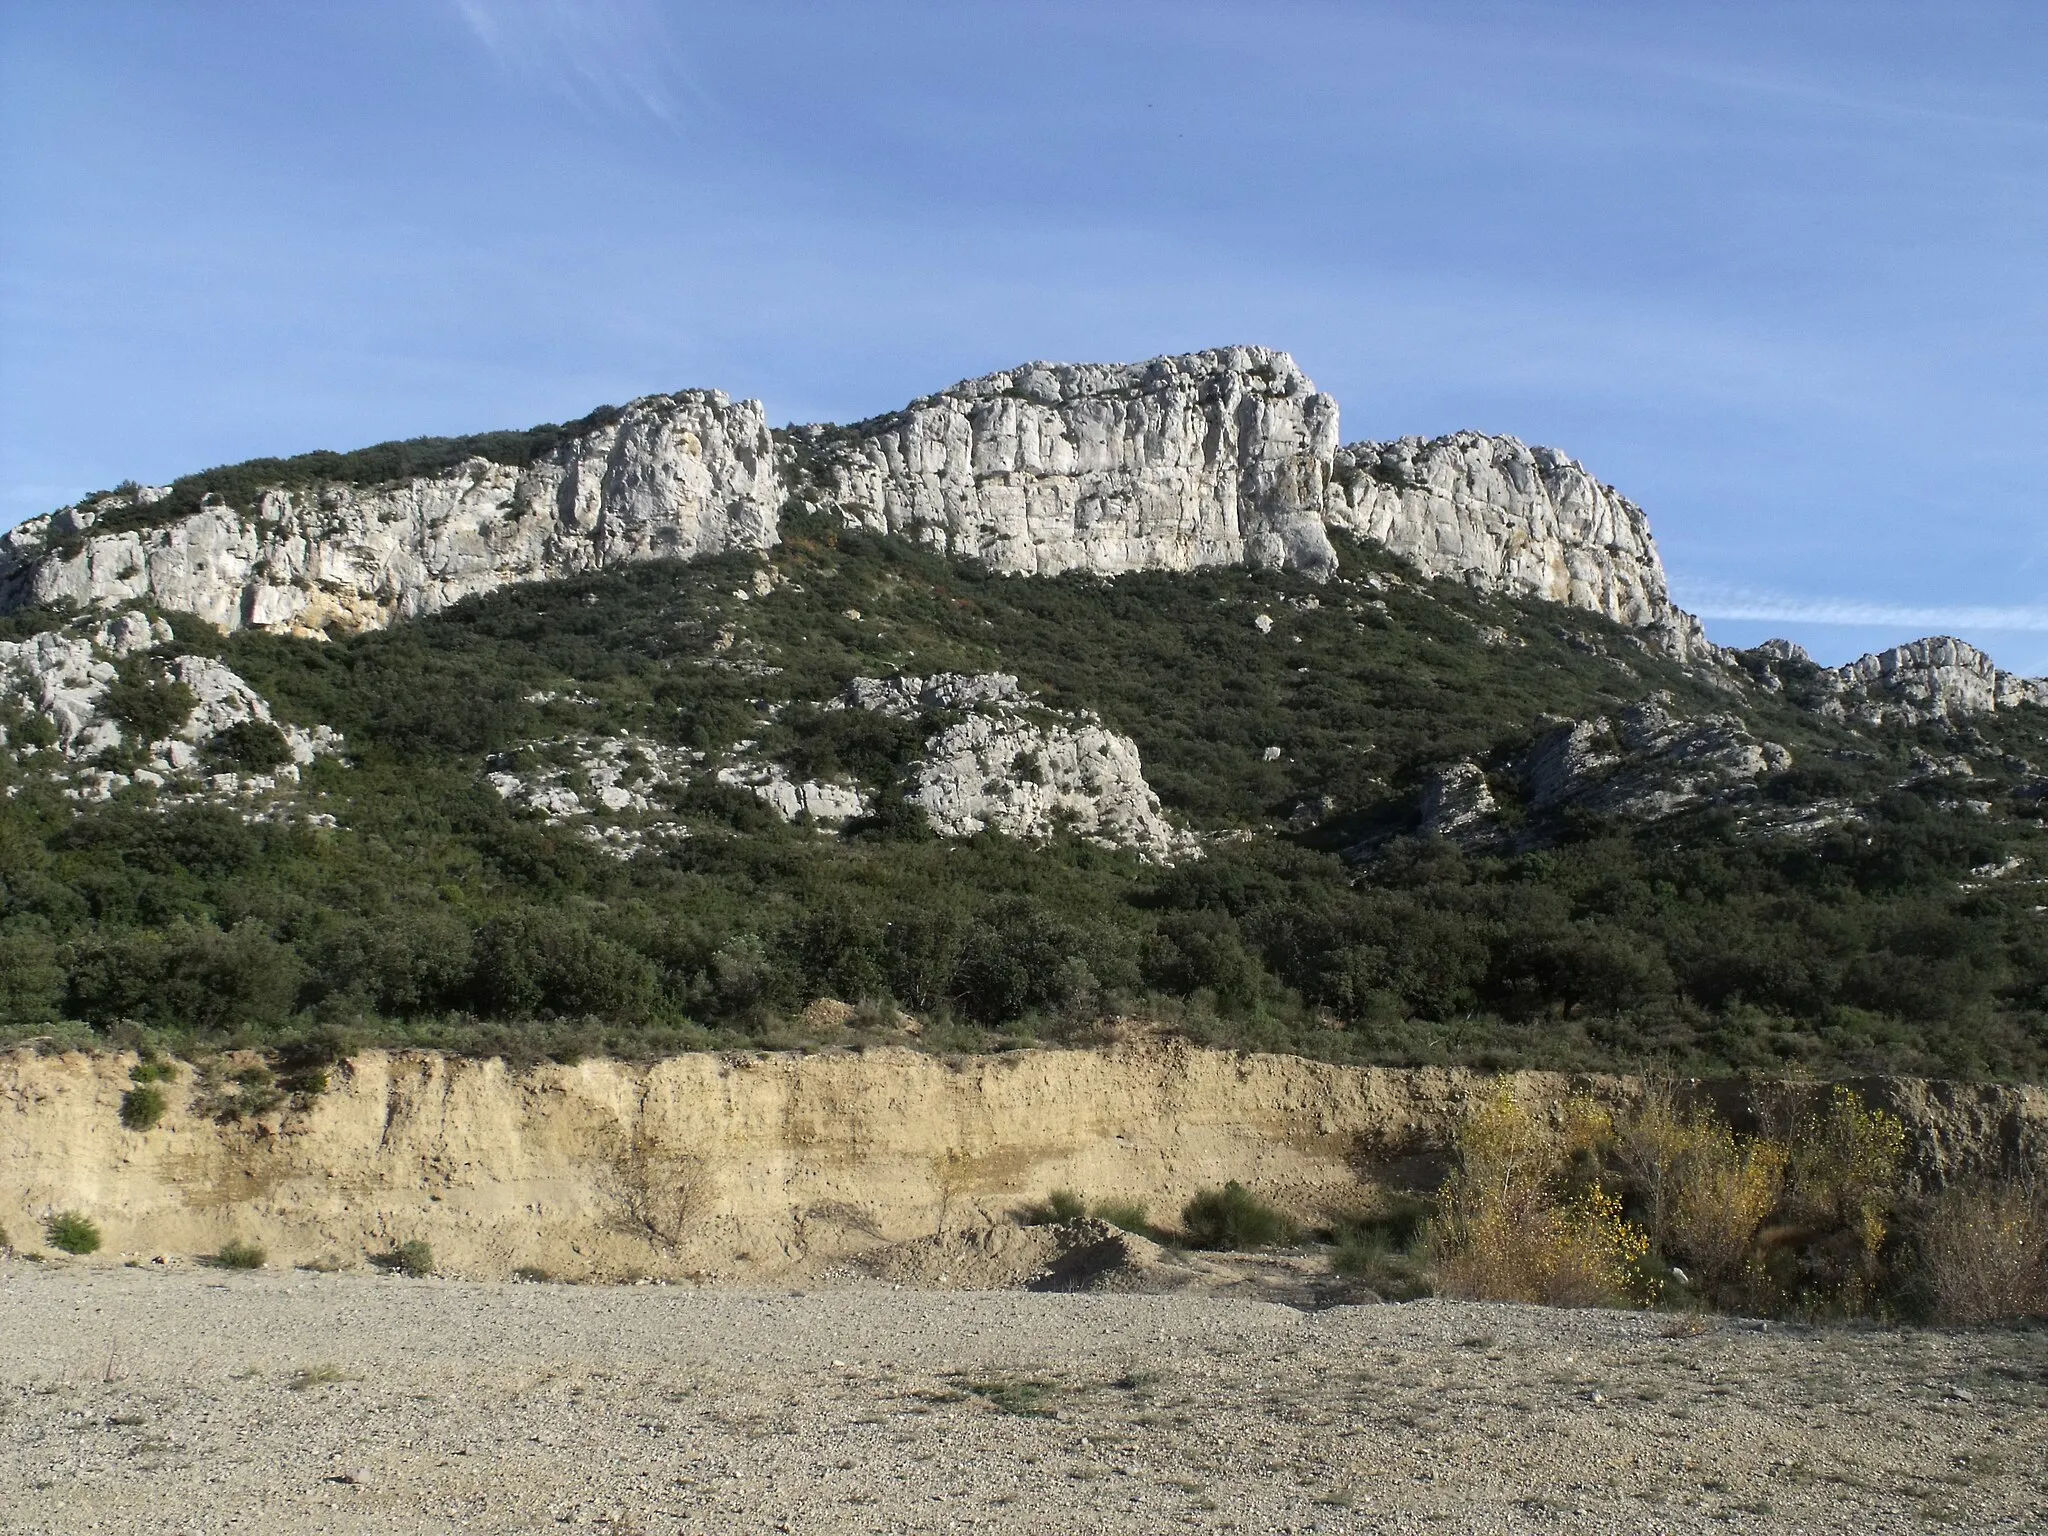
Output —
(1126, 1215)
(1520, 1220)
(1062, 1205)
(412, 1258)
(72, 1232)
(1233, 1218)
(1984, 1255)
(143, 1107)
(237, 1254)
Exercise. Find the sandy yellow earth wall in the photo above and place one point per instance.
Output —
(753, 1165)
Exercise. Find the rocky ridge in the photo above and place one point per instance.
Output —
(1936, 680)
(1505, 517)
(1223, 457)
(1644, 763)
(669, 476)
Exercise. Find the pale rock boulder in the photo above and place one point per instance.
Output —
(1030, 779)
(1506, 517)
(905, 698)
(1647, 762)
(790, 798)
(671, 476)
(222, 700)
(61, 678)
(1211, 458)
(1457, 802)
(1020, 769)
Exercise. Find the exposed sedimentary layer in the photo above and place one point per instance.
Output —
(752, 1165)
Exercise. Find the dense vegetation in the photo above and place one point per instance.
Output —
(434, 913)
(242, 485)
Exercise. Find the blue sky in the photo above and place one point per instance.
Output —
(1777, 270)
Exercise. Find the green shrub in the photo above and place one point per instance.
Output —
(1062, 1205)
(1127, 1214)
(249, 746)
(148, 705)
(142, 1108)
(412, 1258)
(71, 1232)
(532, 1274)
(237, 1254)
(1388, 1251)
(1232, 1218)
(152, 1069)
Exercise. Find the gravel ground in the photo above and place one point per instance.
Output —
(193, 1400)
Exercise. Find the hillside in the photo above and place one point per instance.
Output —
(1369, 806)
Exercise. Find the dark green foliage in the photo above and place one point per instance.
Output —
(149, 705)
(143, 1107)
(72, 1232)
(248, 746)
(434, 914)
(1232, 1218)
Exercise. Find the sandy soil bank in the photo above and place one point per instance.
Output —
(754, 1167)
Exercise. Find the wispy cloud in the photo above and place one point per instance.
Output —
(606, 55)
(1712, 600)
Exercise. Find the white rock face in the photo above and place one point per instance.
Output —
(1224, 457)
(673, 475)
(1939, 678)
(1457, 801)
(907, 697)
(1025, 771)
(1030, 780)
(64, 676)
(1647, 762)
(790, 798)
(1212, 458)
(1506, 517)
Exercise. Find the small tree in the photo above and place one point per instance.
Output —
(72, 1232)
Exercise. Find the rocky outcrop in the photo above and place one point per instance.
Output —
(1212, 458)
(57, 685)
(1457, 803)
(1017, 768)
(1647, 762)
(670, 475)
(1505, 517)
(1010, 766)
(1936, 679)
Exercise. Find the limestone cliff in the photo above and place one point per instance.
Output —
(1212, 458)
(1506, 517)
(669, 475)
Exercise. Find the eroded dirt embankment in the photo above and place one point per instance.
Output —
(762, 1165)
